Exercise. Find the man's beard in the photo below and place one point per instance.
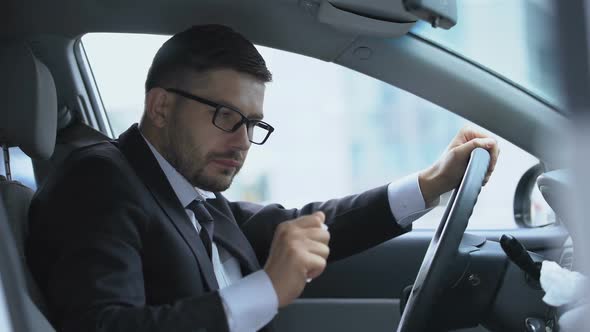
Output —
(187, 158)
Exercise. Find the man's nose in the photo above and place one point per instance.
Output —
(240, 139)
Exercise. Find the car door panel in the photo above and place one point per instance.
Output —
(364, 290)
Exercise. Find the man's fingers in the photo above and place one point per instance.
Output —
(494, 153)
(491, 145)
(468, 133)
(318, 234)
(315, 219)
(481, 139)
(485, 143)
(318, 248)
(462, 151)
(315, 265)
(488, 143)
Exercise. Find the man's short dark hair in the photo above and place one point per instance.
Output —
(202, 48)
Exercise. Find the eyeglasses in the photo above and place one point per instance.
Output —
(229, 119)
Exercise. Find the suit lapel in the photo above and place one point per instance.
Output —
(229, 235)
(133, 146)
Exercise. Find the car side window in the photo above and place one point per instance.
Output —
(21, 167)
(337, 131)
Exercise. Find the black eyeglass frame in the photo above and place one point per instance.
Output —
(249, 122)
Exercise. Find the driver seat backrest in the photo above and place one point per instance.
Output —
(28, 120)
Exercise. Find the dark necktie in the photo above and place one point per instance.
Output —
(205, 219)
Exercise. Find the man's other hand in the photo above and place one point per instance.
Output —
(446, 173)
(299, 251)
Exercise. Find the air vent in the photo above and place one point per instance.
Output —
(567, 259)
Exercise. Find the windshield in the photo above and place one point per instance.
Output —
(515, 39)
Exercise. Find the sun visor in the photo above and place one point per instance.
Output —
(386, 18)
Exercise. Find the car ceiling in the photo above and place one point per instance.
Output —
(292, 25)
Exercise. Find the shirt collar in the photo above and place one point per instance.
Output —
(185, 192)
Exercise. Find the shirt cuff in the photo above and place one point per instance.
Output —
(406, 200)
(250, 303)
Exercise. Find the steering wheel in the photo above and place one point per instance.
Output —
(444, 245)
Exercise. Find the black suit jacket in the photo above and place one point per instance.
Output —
(113, 249)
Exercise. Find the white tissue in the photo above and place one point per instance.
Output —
(562, 286)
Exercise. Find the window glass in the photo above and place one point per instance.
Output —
(514, 38)
(21, 167)
(337, 132)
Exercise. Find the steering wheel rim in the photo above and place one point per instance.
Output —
(444, 245)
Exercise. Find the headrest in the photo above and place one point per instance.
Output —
(28, 102)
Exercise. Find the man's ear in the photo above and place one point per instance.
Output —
(158, 107)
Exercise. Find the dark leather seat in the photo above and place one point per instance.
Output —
(28, 119)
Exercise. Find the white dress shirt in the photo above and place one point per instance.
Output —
(251, 302)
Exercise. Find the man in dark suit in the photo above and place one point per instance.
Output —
(134, 234)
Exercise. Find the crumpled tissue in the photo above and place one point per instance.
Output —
(566, 288)
(562, 286)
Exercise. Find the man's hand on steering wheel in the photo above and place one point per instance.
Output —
(446, 173)
(466, 165)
